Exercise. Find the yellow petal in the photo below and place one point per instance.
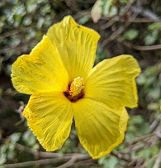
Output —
(76, 45)
(112, 82)
(50, 117)
(99, 127)
(40, 71)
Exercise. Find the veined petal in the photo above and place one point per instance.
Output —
(49, 116)
(99, 127)
(76, 45)
(40, 71)
(112, 82)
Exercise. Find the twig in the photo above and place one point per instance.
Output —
(158, 161)
(119, 156)
(10, 49)
(84, 162)
(144, 20)
(11, 33)
(85, 1)
(139, 138)
(80, 14)
(69, 163)
(148, 162)
(136, 20)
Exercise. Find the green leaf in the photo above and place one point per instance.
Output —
(154, 93)
(150, 80)
(3, 148)
(40, 22)
(29, 138)
(154, 150)
(141, 79)
(2, 159)
(111, 162)
(27, 21)
(107, 6)
(129, 136)
(11, 154)
(131, 34)
(84, 19)
(137, 119)
(151, 38)
(144, 129)
(15, 137)
(101, 160)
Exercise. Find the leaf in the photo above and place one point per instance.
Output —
(151, 38)
(11, 154)
(3, 159)
(84, 19)
(27, 21)
(141, 79)
(102, 160)
(97, 11)
(131, 34)
(154, 93)
(129, 136)
(15, 137)
(144, 129)
(109, 9)
(40, 22)
(111, 162)
(137, 119)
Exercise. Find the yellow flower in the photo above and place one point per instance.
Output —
(59, 76)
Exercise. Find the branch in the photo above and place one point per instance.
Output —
(118, 31)
(116, 18)
(145, 13)
(70, 158)
(33, 163)
(36, 153)
(49, 154)
(141, 48)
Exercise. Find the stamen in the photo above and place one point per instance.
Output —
(76, 86)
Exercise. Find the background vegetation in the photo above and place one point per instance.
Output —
(126, 27)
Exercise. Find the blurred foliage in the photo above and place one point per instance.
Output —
(153, 34)
(131, 34)
(22, 25)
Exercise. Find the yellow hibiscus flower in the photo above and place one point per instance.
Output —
(59, 76)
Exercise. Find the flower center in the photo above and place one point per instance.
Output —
(76, 86)
(75, 90)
